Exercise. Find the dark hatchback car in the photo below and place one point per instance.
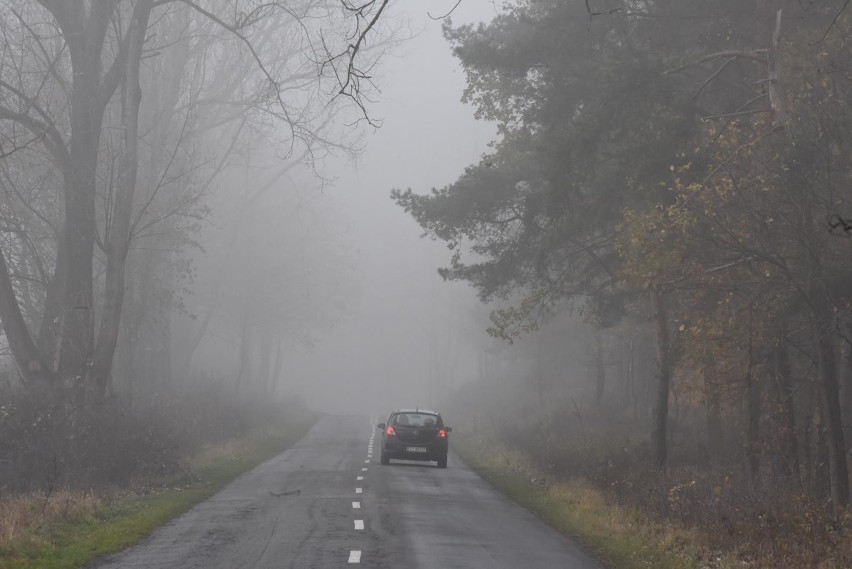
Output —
(415, 434)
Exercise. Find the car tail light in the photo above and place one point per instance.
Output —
(442, 434)
(390, 431)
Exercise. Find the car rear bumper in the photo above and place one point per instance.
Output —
(399, 450)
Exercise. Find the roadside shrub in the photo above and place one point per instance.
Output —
(46, 447)
(769, 521)
(18, 514)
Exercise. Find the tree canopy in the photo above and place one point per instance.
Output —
(697, 150)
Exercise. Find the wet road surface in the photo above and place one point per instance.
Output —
(327, 502)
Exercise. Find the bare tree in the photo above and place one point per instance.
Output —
(86, 52)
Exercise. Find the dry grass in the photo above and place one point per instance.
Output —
(70, 529)
(224, 451)
(626, 534)
(21, 514)
(618, 536)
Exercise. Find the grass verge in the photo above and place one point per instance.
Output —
(617, 536)
(119, 521)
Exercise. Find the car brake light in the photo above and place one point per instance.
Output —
(442, 434)
(390, 431)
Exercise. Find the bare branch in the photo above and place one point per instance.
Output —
(737, 114)
(45, 133)
(350, 82)
(714, 75)
(593, 13)
(758, 55)
(833, 22)
(453, 9)
(236, 30)
(112, 78)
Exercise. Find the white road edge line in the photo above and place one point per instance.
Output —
(359, 478)
(356, 505)
(364, 469)
(359, 524)
(355, 556)
(359, 490)
(367, 462)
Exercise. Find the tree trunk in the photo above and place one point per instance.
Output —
(118, 237)
(72, 283)
(244, 369)
(833, 422)
(161, 329)
(265, 355)
(90, 92)
(821, 477)
(846, 390)
(753, 410)
(659, 440)
(784, 391)
(75, 343)
(631, 376)
(32, 367)
(715, 442)
(774, 87)
(276, 369)
(600, 372)
(49, 334)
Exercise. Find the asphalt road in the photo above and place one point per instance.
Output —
(327, 502)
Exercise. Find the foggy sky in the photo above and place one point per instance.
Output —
(405, 325)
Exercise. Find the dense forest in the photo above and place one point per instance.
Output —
(673, 178)
(149, 151)
(660, 236)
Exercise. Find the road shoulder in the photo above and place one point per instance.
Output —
(122, 520)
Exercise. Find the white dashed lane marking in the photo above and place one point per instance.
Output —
(355, 554)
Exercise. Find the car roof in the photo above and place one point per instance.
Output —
(427, 411)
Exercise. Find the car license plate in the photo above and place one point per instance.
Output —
(415, 449)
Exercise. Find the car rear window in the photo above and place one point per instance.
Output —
(416, 420)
